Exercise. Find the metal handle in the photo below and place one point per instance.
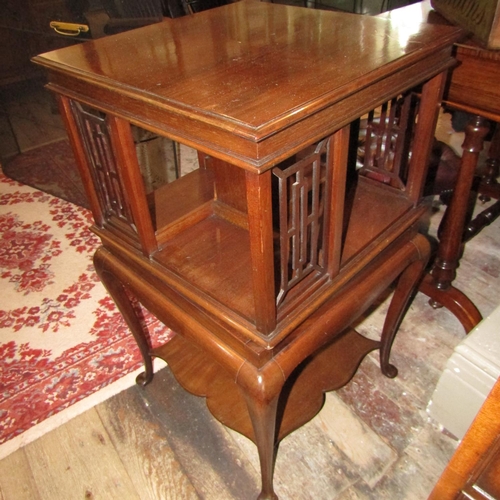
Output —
(68, 29)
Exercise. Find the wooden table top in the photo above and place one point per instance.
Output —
(249, 68)
(473, 85)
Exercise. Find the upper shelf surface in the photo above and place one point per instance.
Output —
(250, 65)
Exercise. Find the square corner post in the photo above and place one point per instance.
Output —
(260, 227)
(430, 102)
(309, 205)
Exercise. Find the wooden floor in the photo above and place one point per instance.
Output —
(372, 440)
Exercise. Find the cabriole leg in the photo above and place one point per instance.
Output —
(263, 416)
(407, 283)
(122, 300)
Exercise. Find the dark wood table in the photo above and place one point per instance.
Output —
(263, 258)
(473, 86)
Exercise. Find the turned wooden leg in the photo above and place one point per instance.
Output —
(489, 178)
(450, 243)
(407, 283)
(438, 286)
(263, 417)
(489, 188)
(122, 300)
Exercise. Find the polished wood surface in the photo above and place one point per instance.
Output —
(472, 87)
(474, 82)
(264, 69)
(169, 444)
(474, 470)
(438, 283)
(262, 259)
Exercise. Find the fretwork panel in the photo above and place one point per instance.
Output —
(302, 194)
(385, 140)
(107, 182)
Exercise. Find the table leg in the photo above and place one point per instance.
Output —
(128, 310)
(263, 416)
(404, 291)
(489, 187)
(438, 283)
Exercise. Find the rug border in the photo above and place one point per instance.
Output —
(49, 424)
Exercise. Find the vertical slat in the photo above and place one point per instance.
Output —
(78, 147)
(391, 131)
(126, 158)
(295, 229)
(402, 139)
(315, 211)
(336, 172)
(303, 242)
(368, 159)
(284, 235)
(259, 203)
(432, 93)
(302, 214)
(382, 130)
(107, 182)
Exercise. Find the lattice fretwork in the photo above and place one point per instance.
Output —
(385, 140)
(107, 181)
(302, 194)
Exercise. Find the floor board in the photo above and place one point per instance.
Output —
(215, 465)
(16, 480)
(143, 447)
(79, 460)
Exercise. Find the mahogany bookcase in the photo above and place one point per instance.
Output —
(294, 223)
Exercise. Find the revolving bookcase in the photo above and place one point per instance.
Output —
(312, 146)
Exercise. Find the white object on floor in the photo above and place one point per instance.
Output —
(468, 378)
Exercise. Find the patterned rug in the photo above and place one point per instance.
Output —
(64, 347)
(50, 168)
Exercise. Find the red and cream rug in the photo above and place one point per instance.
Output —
(64, 347)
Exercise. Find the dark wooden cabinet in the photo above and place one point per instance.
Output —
(29, 27)
(263, 258)
(25, 32)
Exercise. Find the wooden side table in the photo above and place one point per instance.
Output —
(472, 87)
(263, 258)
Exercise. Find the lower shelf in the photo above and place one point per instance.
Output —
(301, 398)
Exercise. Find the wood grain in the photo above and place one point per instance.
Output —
(79, 460)
(16, 480)
(239, 102)
(474, 470)
(425, 342)
(143, 447)
(209, 457)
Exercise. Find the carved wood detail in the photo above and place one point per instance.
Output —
(108, 184)
(385, 140)
(302, 189)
